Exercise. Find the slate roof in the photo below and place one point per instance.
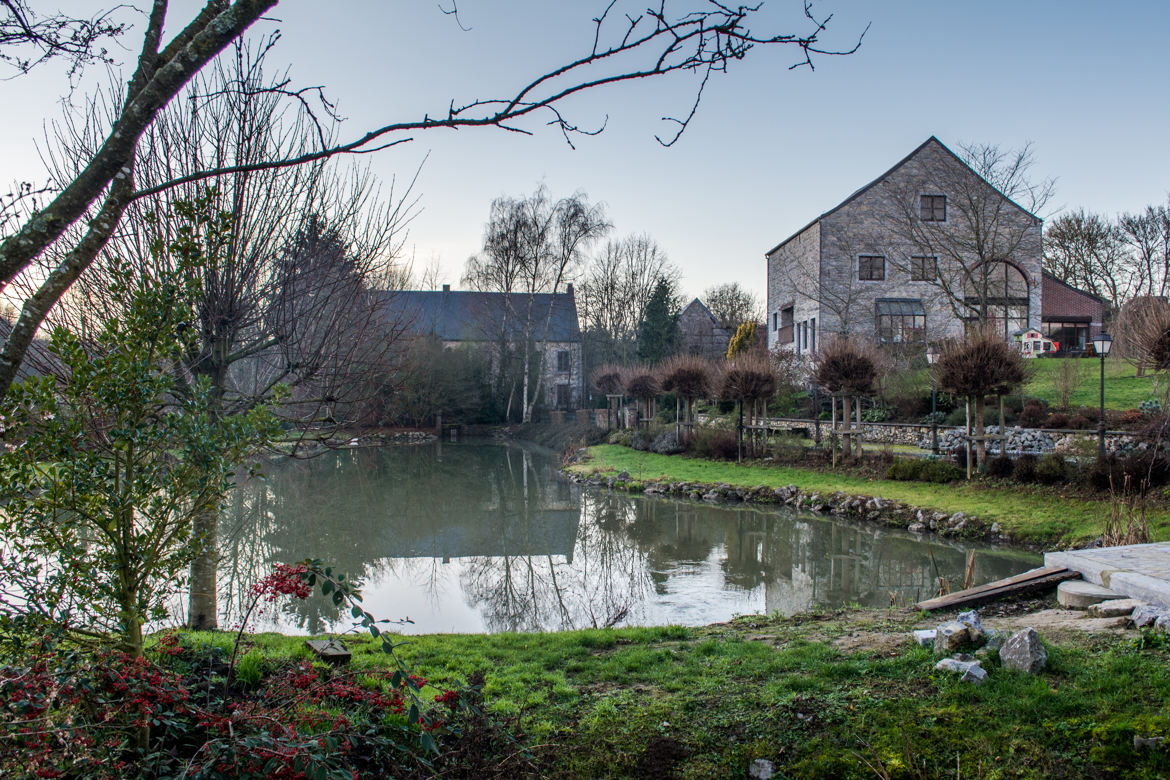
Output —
(463, 315)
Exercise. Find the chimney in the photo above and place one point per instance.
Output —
(446, 288)
(569, 288)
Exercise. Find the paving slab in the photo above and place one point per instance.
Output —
(1140, 571)
(1115, 608)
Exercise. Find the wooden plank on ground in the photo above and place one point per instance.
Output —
(1044, 578)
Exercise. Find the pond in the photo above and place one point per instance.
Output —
(485, 536)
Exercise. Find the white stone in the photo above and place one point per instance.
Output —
(950, 636)
(1146, 615)
(1078, 594)
(761, 769)
(1024, 651)
(925, 637)
(969, 671)
(1114, 607)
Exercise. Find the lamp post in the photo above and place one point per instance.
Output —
(1102, 342)
(931, 358)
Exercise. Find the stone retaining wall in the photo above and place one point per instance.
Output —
(867, 508)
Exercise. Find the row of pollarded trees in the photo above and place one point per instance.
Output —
(749, 379)
(976, 367)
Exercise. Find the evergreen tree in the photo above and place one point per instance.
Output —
(658, 332)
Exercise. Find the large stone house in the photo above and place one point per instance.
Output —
(910, 257)
(494, 321)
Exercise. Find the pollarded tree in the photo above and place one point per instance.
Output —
(844, 368)
(747, 378)
(977, 366)
(608, 381)
(642, 382)
(690, 377)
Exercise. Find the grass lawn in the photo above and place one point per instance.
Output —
(1027, 513)
(1124, 389)
(820, 695)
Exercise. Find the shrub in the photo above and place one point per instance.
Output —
(1056, 420)
(1051, 469)
(667, 443)
(621, 438)
(1024, 469)
(1131, 417)
(941, 471)
(876, 414)
(1000, 467)
(1079, 422)
(716, 444)
(1150, 406)
(1034, 413)
(904, 469)
(914, 469)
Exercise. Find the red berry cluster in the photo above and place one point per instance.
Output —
(285, 580)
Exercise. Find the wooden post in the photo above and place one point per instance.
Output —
(967, 438)
(833, 429)
(857, 438)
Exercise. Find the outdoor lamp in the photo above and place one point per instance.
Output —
(932, 357)
(1102, 342)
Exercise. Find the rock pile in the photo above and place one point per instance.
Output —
(1023, 650)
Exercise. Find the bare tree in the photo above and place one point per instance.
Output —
(623, 47)
(532, 246)
(977, 236)
(1088, 252)
(1147, 234)
(733, 304)
(29, 38)
(284, 294)
(614, 291)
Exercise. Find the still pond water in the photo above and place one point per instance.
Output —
(484, 536)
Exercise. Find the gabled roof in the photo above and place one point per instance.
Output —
(463, 315)
(698, 308)
(879, 179)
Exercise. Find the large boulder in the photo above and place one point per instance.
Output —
(1024, 651)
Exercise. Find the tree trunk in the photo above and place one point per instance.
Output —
(846, 436)
(857, 438)
(980, 443)
(202, 613)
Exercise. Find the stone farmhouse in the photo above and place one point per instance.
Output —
(905, 259)
(700, 332)
(492, 321)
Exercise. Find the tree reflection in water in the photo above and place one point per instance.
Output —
(486, 537)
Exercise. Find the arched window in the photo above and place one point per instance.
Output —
(996, 293)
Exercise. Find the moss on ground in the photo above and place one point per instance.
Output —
(705, 702)
(1029, 514)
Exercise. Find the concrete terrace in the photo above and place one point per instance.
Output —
(1138, 571)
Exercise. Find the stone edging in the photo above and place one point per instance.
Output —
(838, 504)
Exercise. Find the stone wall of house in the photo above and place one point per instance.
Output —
(876, 222)
(553, 376)
(794, 273)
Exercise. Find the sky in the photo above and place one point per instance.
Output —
(1087, 84)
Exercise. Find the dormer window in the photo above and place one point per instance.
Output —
(932, 208)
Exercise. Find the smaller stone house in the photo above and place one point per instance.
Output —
(1069, 316)
(700, 332)
(490, 320)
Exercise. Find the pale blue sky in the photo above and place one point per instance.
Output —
(1088, 83)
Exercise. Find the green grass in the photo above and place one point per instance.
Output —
(1124, 389)
(603, 703)
(1027, 513)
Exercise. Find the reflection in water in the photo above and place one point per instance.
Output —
(486, 537)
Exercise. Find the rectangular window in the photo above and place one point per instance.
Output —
(804, 333)
(923, 268)
(563, 360)
(775, 320)
(933, 208)
(871, 268)
(812, 336)
(564, 396)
